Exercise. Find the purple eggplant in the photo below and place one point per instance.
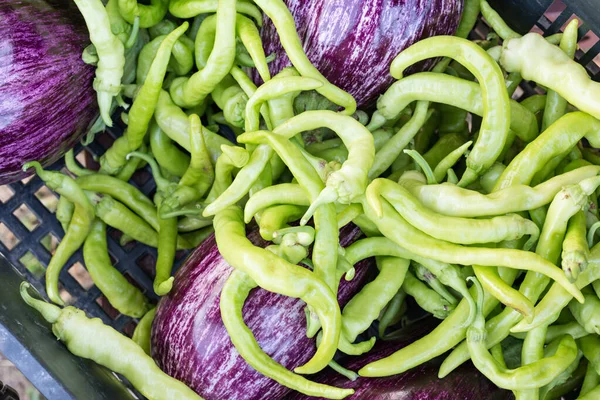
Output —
(46, 96)
(190, 343)
(353, 42)
(420, 383)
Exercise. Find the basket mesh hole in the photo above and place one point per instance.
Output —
(47, 198)
(588, 41)
(66, 297)
(181, 254)
(129, 328)
(537, 29)
(519, 92)
(8, 239)
(28, 179)
(114, 234)
(80, 274)
(33, 265)
(113, 260)
(141, 177)
(27, 217)
(112, 312)
(6, 193)
(126, 242)
(135, 283)
(50, 242)
(65, 170)
(86, 159)
(105, 139)
(555, 9)
(594, 66)
(147, 263)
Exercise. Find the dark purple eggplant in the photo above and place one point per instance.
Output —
(419, 383)
(190, 343)
(353, 42)
(46, 96)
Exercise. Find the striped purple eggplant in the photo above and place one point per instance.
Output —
(420, 383)
(190, 343)
(353, 42)
(46, 96)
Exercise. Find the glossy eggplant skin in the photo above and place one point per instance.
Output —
(47, 100)
(190, 342)
(419, 383)
(353, 42)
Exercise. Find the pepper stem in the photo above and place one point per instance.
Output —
(351, 375)
(35, 165)
(327, 195)
(161, 182)
(306, 234)
(72, 165)
(478, 319)
(190, 209)
(164, 287)
(468, 177)
(238, 156)
(464, 290)
(50, 312)
(422, 163)
(52, 179)
(134, 33)
(372, 197)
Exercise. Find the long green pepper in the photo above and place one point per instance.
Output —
(575, 250)
(143, 107)
(567, 203)
(199, 176)
(450, 90)
(284, 193)
(91, 339)
(277, 275)
(555, 104)
(459, 202)
(365, 306)
(193, 8)
(530, 376)
(346, 184)
(451, 229)
(111, 55)
(426, 298)
(149, 15)
(121, 294)
(234, 293)
(537, 60)
(167, 229)
(180, 61)
(495, 125)
(327, 239)
(78, 228)
(175, 123)
(167, 154)
(284, 23)
(188, 92)
(142, 333)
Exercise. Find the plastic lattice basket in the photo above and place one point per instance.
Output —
(29, 231)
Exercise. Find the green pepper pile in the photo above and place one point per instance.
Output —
(517, 217)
